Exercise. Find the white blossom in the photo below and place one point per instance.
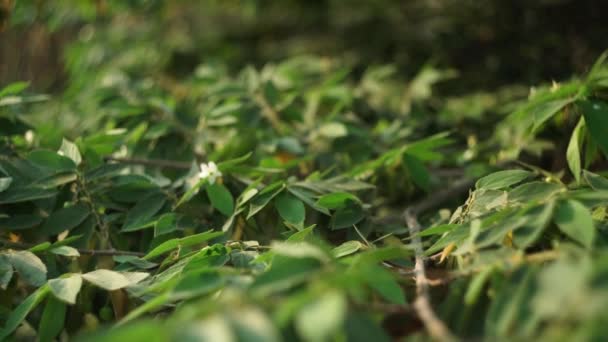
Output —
(210, 172)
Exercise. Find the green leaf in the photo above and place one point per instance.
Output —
(333, 130)
(252, 325)
(51, 160)
(167, 223)
(573, 153)
(29, 266)
(595, 181)
(66, 288)
(52, 321)
(65, 251)
(323, 318)
(337, 200)
(6, 271)
(183, 242)
(476, 286)
(19, 222)
(140, 216)
(545, 111)
(264, 197)
(574, 220)
(534, 191)
(290, 208)
(5, 182)
(65, 219)
(107, 280)
(502, 179)
(18, 315)
(284, 273)
(347, 217)
(230, 164)
(70, 150)
(220, 198)
(18, 195)
(346, 248)
(417, 172)
(438, 230)
(596, 119)
(299, 250)
(384, 283)
(13, 88)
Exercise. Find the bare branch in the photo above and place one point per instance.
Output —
(435, 327)
(83, 251)
(169, 164)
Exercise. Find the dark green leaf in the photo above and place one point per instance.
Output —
(596, 119)
(65, 219)
(141, 215)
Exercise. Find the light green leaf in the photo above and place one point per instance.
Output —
(65, 251)
(29, 266)
(346, 248)
(107, 280)
(220, 198)
(574, 220)
(70, 150)
(299, 250)
(252, 325)
(66, 288)
(183, 242)
(337, 200)
(573, 153)
(502, 179)
(6, 271)
(5, 182)
(290, 208)
(13, 88)
(323, 318)
(333, 130)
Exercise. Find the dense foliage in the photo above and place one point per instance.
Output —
(306, 198)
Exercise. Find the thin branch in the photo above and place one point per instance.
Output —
(435, 327)
(83, 251)
(437, 198)
(162, 163)
(268, 112)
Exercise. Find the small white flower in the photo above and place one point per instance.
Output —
(210, 172)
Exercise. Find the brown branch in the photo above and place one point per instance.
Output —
(434, 326)
(83, 251)
(169, 164)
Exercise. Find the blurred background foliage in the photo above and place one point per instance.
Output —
(490, 43)
(326, 119)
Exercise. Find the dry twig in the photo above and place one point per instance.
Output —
(435, 327)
